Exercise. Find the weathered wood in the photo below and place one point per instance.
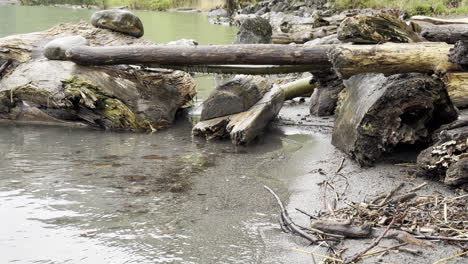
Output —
(457, 87)
(447, 158)
(376, 29)
(459, 54)
(445, 33)
(243, 127)
(298, 88)
(440, 21)
(239, 69)
(381, 112)
(255, 54)
(234, 96)
(391, 58)
(344, 229)
(347, 59)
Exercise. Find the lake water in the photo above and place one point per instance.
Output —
(83, 196)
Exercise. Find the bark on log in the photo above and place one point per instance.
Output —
(347, 60)
(243, 127)
(376, 29)
(235, 96)
(445, 33)
(459, 54)
(391, 58)
(457, 87)
(440, 21)
(255, 54)
(447, 159)
(381, 112)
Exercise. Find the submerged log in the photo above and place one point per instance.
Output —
(445, 33)
(235, 96)
(243, 127)
(381, 112)
(391, 58)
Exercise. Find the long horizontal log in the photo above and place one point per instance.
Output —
(255, 54)
(239, 69)
(346, 59)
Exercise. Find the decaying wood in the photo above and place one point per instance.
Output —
(440, 21)
(346, 59)
(243, 127)
(239, 69)
(381, 112)
(255, 54)
(459, 54)
(345, 229)
(234, 96)
(298, 88)
(445, 33)
(4, 66)
(390, 58)
(457, 87)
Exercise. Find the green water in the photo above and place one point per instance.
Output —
(160, 27)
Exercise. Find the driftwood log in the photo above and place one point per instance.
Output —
(381, 112)
(348, 60)
(243, 127)
(440, 21)
(389, 58)
(235, 96)
(445, 33)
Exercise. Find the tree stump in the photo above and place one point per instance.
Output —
(381, 112)
(235, 96)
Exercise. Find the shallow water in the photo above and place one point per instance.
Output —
(85, 196)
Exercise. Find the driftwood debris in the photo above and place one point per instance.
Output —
(447, 158)
(440, 21)
(376, 29)
(445, 33)
(349, 60)
(243, 127)
(381, 112)
(235, 96)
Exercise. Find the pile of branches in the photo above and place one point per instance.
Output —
(407, 217)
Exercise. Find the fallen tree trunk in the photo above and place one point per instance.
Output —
(440, 21)
(346, 59)
(391, 58)
(381, 112)
(445, 33)
(243, 127)
(239, 69)
(301, 87)
(457, 87)
(255, 54)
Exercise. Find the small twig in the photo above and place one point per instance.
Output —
(287, 221)
(318, 255)
(372, 245)
(383, 250)
(459, 239)
(303, 212)
(419, 187)
(451, 257)
(391, 193)
(341, 166)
